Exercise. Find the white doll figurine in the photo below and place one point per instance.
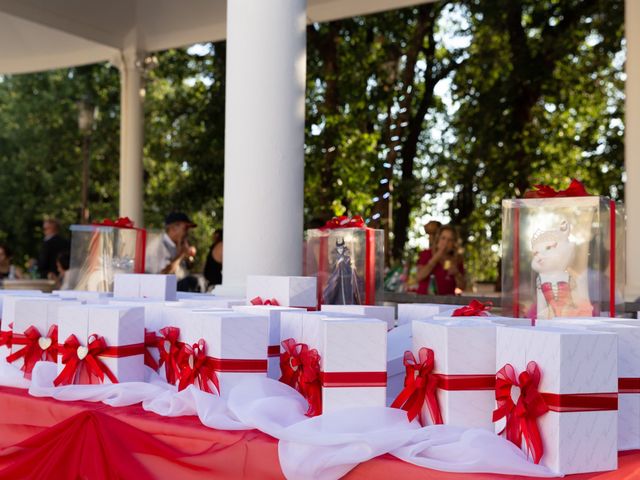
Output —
(556, 285)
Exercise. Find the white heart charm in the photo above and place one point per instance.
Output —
(82, 352)
(44, 343)
(515, 394)
(167, 346)
(191, 362)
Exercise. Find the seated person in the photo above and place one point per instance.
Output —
(440, 269)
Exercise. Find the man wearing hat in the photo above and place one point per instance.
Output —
(168, 253)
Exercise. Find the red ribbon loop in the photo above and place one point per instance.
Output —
(33, 350)
(77, 359)
(122, 222)
(300, 367)
(150, 341)
(269, 301)
(575, 189)
(344, 222)
(420, 387)
(196, 368)
(475, 309)
(169, 348)
(6, 338)
(521, 416)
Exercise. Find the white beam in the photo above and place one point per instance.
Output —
(632, 146)
(264, 138)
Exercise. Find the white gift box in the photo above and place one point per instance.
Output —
(352, 356)
(7, 305)
(144, 285)
(237, 343)
(386, 314)
(571, 361)
(288, 291)
(273, 313)
(84, 295)
(120, 326)
(211, 301)
(628, 375)
(461, 349)
(408, 312)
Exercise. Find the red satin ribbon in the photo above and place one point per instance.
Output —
(629, 385)
(169, 356)
(475, 309)
(300, 367)
(457, 383)
(6, 338)
(575, 189)
(32, 352)
(353, 379)
(420, 385)
(122, 222)
(344, 222)
(150, 341)
(273, 351)
(521, 417)
(91, 363)
(196, 368)
(259, 301)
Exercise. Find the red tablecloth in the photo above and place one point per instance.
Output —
(204, 453)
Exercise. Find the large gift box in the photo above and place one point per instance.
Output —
(281, 290)
(556, 395)
(131, 285)
(100, 251)
(456, 361)
(628, 375)
(563, 254)
(100, 344)
(334, 362)
(273, 313)
(220, 349)
(348, 259)
(384, 313)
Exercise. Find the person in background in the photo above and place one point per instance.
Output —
(440, 268)
(8, 269)
(51, 247)
(431, 229)
(170, 252)
(213, 265)
(64, 279)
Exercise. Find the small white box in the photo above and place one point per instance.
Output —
(407, 312)
(236, 342)
(8, 302)
(571, 361)
(144, 285)
(84, 295)
(120, 326)
(287, 291)
(386, 314)
(461, 349)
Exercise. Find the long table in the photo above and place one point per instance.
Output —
(69, 439)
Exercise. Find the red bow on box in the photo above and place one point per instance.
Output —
(6, 338)
(420, 386)
(196, 368)
(575, 189)
(36, 347)
(300, 367)
(76, 357)
(344, 222)
(169, 348)
(122, 222)
(474, 309)
(150, 341)
(259, 301)
(521, 417)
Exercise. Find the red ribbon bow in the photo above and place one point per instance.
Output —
(6, 338)
(300, 367)
(420, 387)
(259, 301)
(150, 341)
(77, 358)
(122, 222)
(34, 350)
(344, 222)
(575, 189)
(169, 348)
(196, 368)
(521, 416)
(475, 309)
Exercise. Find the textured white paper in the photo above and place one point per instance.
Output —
(384, 313)
(288, 291)
(407, 312)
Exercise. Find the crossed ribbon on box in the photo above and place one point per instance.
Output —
(300, 367)
(35, 347)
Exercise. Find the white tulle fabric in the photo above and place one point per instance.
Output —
(324, 447)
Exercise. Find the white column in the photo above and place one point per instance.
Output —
(264, 139)
(632, 147)
(131, 135)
